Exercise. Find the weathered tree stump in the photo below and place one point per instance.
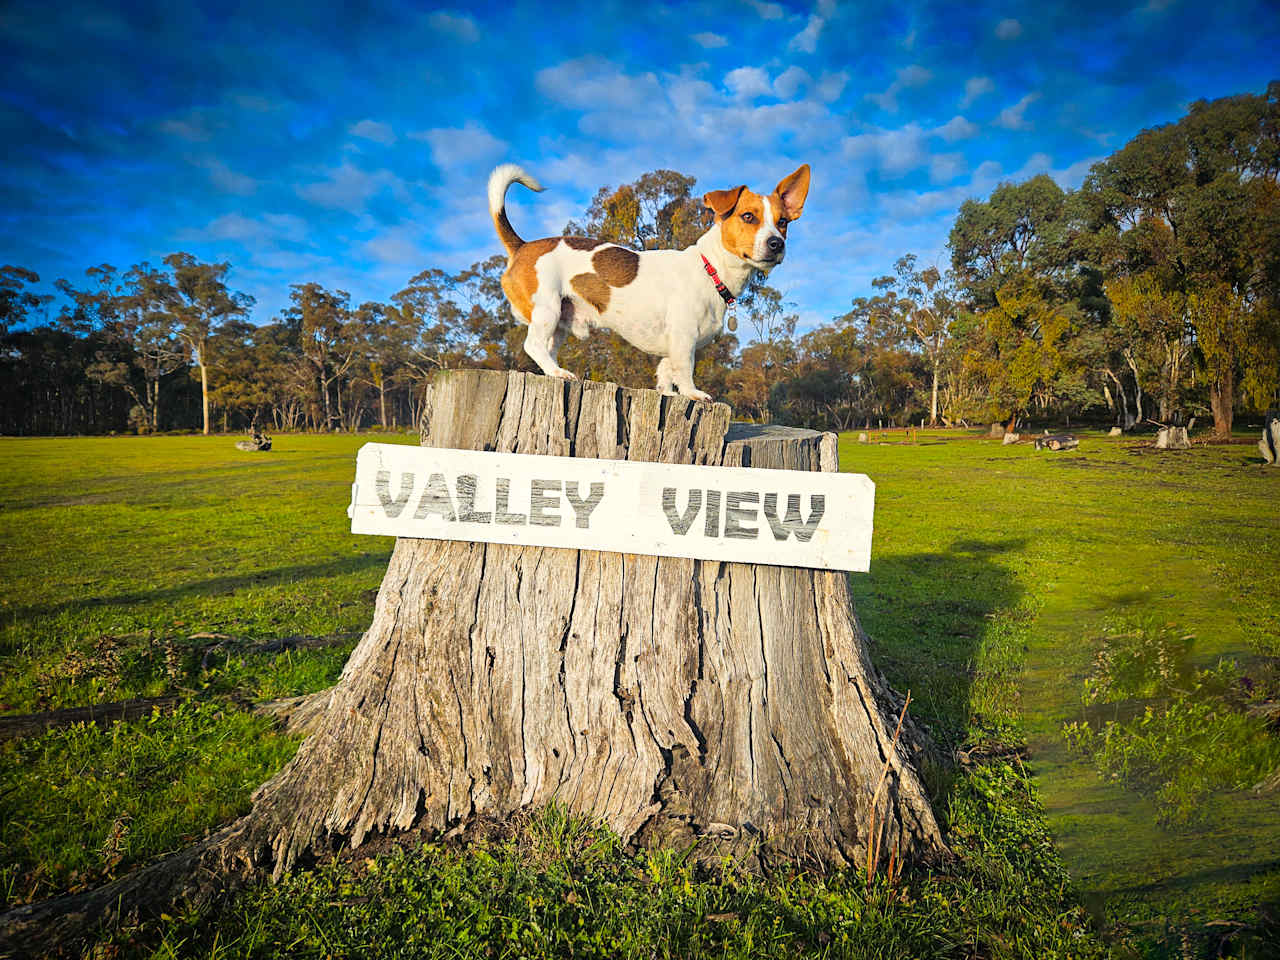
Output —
(1172, 438)
(675, 700)
(1269, 445)
(1057, 441)
(257, 442)
(670, 698)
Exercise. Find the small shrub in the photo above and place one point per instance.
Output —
(1138, 658)
(1179, 755)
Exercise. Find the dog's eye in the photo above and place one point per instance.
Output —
(782, 223)
(748, 218)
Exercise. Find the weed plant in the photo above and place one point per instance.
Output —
(557, 886)
(1194, 743)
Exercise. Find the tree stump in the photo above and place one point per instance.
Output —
(257, 442)
(672, 699)
(1269, 445)
(675, 700)
(1057, 441)
(1172, 438)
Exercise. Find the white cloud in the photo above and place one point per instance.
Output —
(892, 152)
(908, 77)
(270, 230)
(349, 188)
(1008, 29)
(1012, 118)
(592, 82)
(1036, 163)
(398, 245)
(194, 127)
(226, 179)
(957, 128)
(710, 40)
(975, 87)
(373, 130)
(767, 11)
(945, 167)
(831, 85)
(790, 81)
(988, 171)
(806, 41)
(747, 83)
(460, 26)
(254, 102)
(458, 147)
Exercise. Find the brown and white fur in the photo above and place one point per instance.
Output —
(661, 301)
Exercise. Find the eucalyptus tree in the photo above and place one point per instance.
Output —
(201, 305)
(17, 303)
(926, 304)
(147, 320)
(1194, 205)
(328, 337)
(1013, 262)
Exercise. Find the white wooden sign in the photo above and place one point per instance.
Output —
(790, 518)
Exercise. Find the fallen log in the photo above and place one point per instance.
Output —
(1057, 441)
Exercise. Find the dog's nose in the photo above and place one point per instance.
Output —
(775, 245)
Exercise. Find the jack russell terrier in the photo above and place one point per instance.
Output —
(667, 303)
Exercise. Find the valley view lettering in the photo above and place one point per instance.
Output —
(784, 517)
(741, 507)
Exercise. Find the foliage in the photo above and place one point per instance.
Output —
(1158, 280)
(1183, 753)
(557, 886)
(1137, 658)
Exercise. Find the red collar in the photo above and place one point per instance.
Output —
(721, 289)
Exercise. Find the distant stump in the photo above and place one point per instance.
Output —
(1057, 441)
(1269, 445)
(258, 442)
(1173, 438)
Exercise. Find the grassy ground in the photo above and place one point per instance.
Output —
(995, 572)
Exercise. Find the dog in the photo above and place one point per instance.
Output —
(667, 303)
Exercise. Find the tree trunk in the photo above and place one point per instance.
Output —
(670, 698)
(675, 700)
(204, 391)
(1222, 403)
(933, 397)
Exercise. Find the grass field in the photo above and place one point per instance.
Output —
(999, 575)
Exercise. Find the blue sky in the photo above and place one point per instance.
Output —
(350, 145)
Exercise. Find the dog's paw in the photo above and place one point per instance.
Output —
(699, 395)
(564, 374)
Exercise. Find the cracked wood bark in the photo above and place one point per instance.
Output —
(670, 698)
(673, 699)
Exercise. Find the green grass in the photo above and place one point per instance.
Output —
(995, 573)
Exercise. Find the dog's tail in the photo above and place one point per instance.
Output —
(501, 178)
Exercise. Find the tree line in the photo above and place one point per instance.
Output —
(1150, 294)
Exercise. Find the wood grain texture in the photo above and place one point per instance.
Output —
(676, 700)
(673, 699)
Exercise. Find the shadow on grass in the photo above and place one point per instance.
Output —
(212, 587)
(927, 615)
(1232, 873)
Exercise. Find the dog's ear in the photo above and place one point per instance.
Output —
(723, 201)
(793, 190)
